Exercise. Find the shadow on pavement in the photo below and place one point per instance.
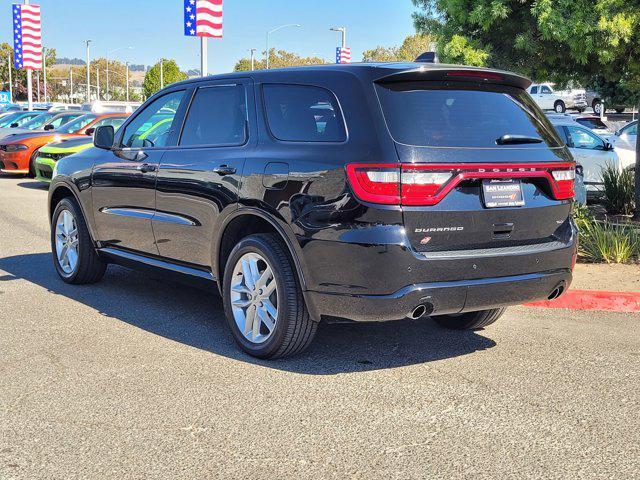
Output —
(34, 185)
(195, 317)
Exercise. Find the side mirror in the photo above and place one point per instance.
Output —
(104, 137)
(14, 125)
(608, 147)
(89, 131)
(49, 127)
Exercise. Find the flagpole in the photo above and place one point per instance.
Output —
(29, 81)
(203, 57)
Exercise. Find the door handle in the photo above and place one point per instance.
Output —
(224, 170)
(146, 168)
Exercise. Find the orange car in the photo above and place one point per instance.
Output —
(18, 152)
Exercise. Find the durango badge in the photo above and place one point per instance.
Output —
(439, 229)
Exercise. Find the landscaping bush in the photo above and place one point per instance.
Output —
(618, 190)
(604, 241)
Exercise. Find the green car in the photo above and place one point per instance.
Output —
(51, 153)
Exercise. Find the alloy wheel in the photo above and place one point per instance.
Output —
(66, 239)
(254, 298)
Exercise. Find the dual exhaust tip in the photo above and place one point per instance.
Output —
(425, 309)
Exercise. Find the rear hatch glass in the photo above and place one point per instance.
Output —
(456, 123)
(427, 114)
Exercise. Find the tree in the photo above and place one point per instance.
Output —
(171, 74)
(593, 43)
(277, 59)
(19, 77)
(411, 48)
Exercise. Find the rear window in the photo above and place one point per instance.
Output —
(300, 113)
(592, 123)
(424, 114)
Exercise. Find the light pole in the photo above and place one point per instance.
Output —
(88, 73)
(126, 65)
(98, 81)
(71, 85)
(109, 53)
(162, 73)
(275, 30)
(342, 30)
(29, 81)
(252, 51)
(44, 72)
(10, 80)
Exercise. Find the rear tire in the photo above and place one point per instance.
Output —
(470, 320)
(266, 320)
(85, 266)
(559, 107)
(620, 110)
(597, 107)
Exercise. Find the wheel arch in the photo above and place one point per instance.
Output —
(61, 189)
(247, 221)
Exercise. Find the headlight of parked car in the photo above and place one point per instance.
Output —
(15, 147)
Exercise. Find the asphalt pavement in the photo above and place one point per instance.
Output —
(136, 377)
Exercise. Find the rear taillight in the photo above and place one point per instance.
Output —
(428, 184)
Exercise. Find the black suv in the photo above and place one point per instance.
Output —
(351, 192)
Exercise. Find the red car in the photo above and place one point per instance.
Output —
(18, 152)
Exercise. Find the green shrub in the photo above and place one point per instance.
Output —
(605, 241)
(618, 190)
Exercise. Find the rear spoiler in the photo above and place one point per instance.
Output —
(454, 73)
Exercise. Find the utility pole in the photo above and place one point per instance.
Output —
(203, 57)
(71, 85)
(161, 73)
(44, 72)
(126, 64)
(38, 87)
(29, 81)
(88, 73)
(98, 81)
(106, 94)
(253, 56)
(10, 80)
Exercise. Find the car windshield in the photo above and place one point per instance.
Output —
(77, 124)
(431, 114)
(38, 121)
(592, 123)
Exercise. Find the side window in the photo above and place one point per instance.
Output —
(217, 116)
(545, 89)
(632, 130)
(113, 121)
(62, 120)
(298, 113)
(581, 138)
(153, 125)
(534, 90)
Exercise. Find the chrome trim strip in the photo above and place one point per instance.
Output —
(493, 252)
(128, 212)
(172, 218)
(154, 262)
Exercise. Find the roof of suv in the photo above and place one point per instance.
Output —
(383, 70)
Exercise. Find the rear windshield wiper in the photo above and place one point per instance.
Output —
(516, 140)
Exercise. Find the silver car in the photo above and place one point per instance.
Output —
(589, 150)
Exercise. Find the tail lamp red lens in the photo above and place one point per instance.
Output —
(428, 184)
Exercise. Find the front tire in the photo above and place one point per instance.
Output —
(597, 107)
(470, 320)
(559, 107)
(74, 256)
(263, 300)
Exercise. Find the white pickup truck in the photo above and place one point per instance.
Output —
(558, 101)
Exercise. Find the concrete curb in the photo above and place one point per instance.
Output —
(626, 302)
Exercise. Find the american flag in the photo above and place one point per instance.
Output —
(343, 55)
(203, 18)
(27, 37)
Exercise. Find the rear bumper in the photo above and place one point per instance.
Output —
(440, 298)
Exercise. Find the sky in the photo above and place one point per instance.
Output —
(154, 28)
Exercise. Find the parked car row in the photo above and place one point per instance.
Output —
(21, 140)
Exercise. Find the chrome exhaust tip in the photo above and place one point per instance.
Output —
(418, 312)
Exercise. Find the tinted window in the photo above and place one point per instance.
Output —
(425, 114)
(217, 116)
(38, 121)
(77, 124)
(115, 122)
(303, 114)
(534, 90)
(582, 138)
(631, 129)
(545, 89)
(153, 125)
